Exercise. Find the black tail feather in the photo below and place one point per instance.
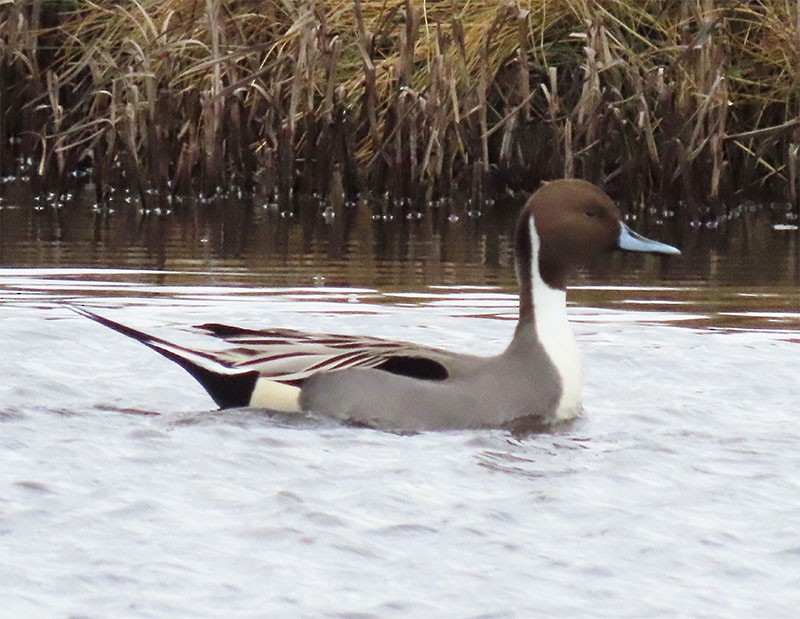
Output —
(227, 389)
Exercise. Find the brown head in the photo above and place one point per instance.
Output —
(575, 224)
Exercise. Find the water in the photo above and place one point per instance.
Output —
(122, 493)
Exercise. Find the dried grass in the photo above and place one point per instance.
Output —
(690, 99)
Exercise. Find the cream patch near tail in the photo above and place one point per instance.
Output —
(276, 396)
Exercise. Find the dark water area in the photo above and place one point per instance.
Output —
(744, 267)
(124, 493)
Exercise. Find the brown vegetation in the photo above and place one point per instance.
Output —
(696, 100)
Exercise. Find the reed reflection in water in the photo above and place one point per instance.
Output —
(372, 244)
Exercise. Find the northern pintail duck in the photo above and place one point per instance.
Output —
(402, 386)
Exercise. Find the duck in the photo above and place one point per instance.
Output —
(536, 381)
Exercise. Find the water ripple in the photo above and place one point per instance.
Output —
(126, 494)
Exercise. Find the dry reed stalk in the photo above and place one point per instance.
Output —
(688, 97)
(430, 167)
(364, 42)
(405, 131)
(412, 146)
(213, 105)
(588, 110)
(794, 175)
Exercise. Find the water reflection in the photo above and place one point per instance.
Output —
(745, 270)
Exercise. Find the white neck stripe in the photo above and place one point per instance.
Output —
(553, 330)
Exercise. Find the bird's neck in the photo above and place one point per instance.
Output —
(545, 308)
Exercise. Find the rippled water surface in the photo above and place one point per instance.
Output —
(124, 494)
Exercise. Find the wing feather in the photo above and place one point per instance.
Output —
(286, 355)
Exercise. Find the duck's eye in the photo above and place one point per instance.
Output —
(593, 212)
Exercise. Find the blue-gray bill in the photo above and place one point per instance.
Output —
(632, 241)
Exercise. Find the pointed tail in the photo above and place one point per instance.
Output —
(229, 388)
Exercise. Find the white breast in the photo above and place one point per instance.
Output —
(555, 334)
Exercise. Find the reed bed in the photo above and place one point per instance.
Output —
(691, 101)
